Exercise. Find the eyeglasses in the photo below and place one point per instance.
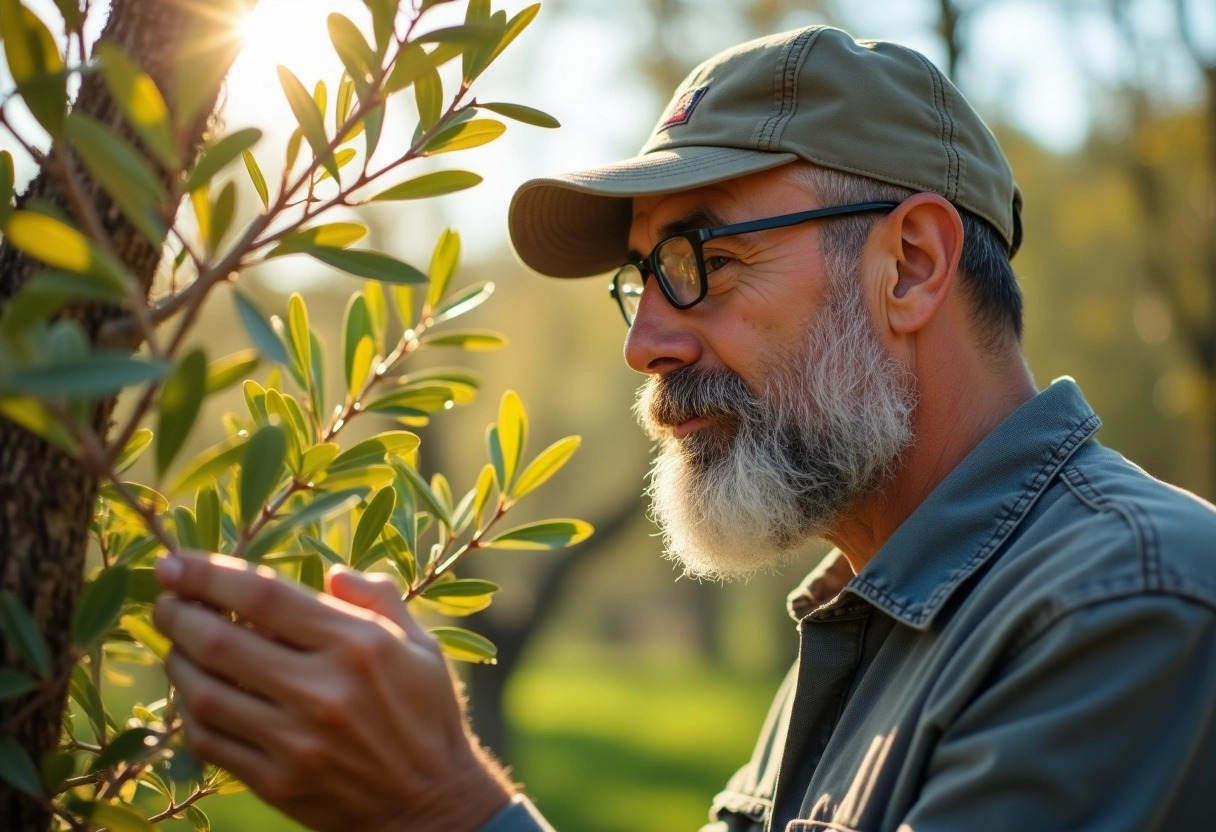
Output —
(680, 266)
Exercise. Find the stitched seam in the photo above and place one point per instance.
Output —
(1013, 516)
(945, 129)
(784, 82)
(1144, 531)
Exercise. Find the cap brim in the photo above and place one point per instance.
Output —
(577, 224)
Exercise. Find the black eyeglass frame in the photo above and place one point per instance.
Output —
(649, 265)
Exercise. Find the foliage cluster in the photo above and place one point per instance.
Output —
(282, 489)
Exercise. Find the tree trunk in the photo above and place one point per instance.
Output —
(46, 498)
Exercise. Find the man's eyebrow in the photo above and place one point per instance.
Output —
(693, 220)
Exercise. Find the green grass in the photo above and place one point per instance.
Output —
(612, 746)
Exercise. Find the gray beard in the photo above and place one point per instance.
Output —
(777, 469)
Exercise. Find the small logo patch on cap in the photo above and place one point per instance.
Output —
(681, 111)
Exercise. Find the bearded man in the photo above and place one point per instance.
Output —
(812, 252)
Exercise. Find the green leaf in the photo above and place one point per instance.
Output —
(316, 375)
(227, 371)
(429, 185)
(140, 101)
(95, 374)
(7, 182)
(513, 28)
(476, 340)
(299, 340)
(14, 684)
(260, 470)
(100, 603)
(546, 534)
(185, 528)
(139, 628)
(519, 112)
(85, 693)
(472, 133)
(420, 487)
(353, 51)
(372, 476)
(341, 159)
(17, 769)
(23, 634)
(180, 400)
(372, 522)
(360, 366)
(312, 123)
(369, 264)
(469, 299)
(198, 818)
(428, 94)
(259, 329)
(412, 63)
(512, 434)
(323, 506)
(399, 552)
(373, 125)
(377, 312)
(123, 172)
(482, 493)
(218, 154)
(464, 646)
(342, 106)
(494, 452)
(135, 446)
(222, 211)
(35, 64)
(73, 18)
(546, 464)
(374, 450)
(208, 516)
(130, 744)
(356, 325)
(384, 15)
(329, 235)
(256, 177)
(114, 817)
(31, 414)
(316, 460)
(443, 265)
(318, 547)
(62, 247)
(142, 585)
(462, 597)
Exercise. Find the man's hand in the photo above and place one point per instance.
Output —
(338, 709)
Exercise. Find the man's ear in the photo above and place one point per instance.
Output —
(919, 243)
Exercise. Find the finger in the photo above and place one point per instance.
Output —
(239, 654)
(376, 593)
(210, 739)
(255, 593)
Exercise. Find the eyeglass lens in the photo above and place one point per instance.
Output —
(678, 266)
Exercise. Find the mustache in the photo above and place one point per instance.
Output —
(666, 401)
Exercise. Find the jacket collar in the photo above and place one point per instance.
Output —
(963, 522)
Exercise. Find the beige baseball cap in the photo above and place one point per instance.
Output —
(868, 107)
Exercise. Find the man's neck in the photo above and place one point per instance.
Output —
(952, 417)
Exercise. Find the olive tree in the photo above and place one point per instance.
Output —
(108, 257)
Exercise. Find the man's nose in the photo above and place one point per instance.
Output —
(660, 339)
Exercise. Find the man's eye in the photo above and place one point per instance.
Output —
(715, 262)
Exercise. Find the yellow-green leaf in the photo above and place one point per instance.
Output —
(131, 452)
(546, 534)
(309, 117)
(374, 450)
(512, 434)
(464, 646)
(372, 522)
(546, 464)
(217, 154)
(100, 603)
(180, 400)
(140, 100)
(227, 371)
(443, 265)
(476, 340)
(429, 185)
(472, 133)
(142, 631)
(256, 177)
(519, 112)
(261, 470)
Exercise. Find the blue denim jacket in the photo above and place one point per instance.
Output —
(1033, 649)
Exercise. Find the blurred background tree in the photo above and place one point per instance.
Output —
(632, 695)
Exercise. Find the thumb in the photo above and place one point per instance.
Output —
(376, 593)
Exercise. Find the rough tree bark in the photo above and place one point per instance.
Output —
(46, 498)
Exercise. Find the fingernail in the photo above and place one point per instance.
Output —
(169, 569)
